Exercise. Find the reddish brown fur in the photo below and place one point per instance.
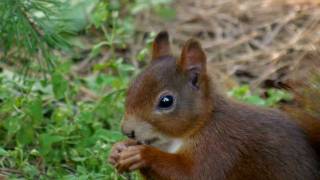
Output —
(161, 46)
(306, 110)
(222, 139)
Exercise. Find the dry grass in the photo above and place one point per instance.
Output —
(263, 43)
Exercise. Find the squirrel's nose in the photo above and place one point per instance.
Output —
(130, 134)
(128, 128)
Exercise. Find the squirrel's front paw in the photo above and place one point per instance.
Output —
(132, 158)
(117, 148)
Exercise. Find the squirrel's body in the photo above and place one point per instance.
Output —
(193, 132)
(245, 142)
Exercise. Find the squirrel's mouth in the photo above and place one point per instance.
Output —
(151, 141)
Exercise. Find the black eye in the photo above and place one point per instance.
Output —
(165, 102)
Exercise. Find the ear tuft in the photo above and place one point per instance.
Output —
(161, 45)
(192, 57)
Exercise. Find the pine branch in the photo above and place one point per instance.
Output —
(25, 33)
(32, 23)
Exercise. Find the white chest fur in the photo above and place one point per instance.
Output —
(175, 145)
(170, 145)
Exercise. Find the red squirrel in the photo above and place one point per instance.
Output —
(180, 127)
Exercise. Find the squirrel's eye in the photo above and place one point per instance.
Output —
(165, 102)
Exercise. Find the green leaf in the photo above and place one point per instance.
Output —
(35, 111)
(142, 54)
(12, 125)
(100, 15)
(79, 159)
(276, 95)
(255, 100)
(8, 106)
(60, 114)
(60, 85)
(31, 169)
(3, 152)
(46, 141)
(26, 134)
(240, 92)
(85, 117)
(111, 136)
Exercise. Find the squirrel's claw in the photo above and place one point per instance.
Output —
(132, 158)
(117, 148)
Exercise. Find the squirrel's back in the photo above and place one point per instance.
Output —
(259, 143)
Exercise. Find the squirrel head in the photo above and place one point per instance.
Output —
(171, 97)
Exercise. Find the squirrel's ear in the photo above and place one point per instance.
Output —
(192, 57)
(161, 45)
(193, 61)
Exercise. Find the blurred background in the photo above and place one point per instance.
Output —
(65, 66)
